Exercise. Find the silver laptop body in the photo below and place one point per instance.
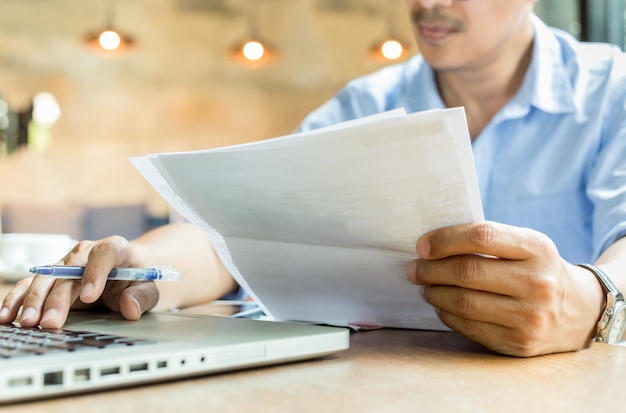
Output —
(159, 347)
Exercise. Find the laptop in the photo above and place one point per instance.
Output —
(97, 351)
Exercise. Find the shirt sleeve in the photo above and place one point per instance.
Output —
(239, 294)
(607, 183)
(367, 95)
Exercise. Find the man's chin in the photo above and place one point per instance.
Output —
(441, 65)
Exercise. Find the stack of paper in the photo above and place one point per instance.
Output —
(320, 226)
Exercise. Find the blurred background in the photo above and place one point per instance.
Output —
(72, 112)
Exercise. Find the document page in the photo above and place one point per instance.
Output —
(320, 226)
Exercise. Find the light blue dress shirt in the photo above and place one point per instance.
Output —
(552, 159)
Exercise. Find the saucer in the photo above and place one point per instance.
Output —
(13, 276)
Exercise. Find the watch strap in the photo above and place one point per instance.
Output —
(614, 299)
(604, 279)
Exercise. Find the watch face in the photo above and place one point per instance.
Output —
(617, 323)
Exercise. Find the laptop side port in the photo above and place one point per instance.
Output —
(138, 367)
(82, 375)
(20, 381)
(53, 378)
(110, 371)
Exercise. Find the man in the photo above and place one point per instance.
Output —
(547, 119)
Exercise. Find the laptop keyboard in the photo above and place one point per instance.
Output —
(16, 341)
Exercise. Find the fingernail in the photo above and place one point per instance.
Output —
(423, 248)
(410, 271)
(87, 290)
(49, 315)
(4, 312)
(28, 313)
(138, 306)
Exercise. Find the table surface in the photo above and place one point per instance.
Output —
(384, 370)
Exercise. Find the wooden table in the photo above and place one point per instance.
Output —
(385, 371)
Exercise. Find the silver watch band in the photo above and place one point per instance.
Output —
(610, 327)
(603, 278)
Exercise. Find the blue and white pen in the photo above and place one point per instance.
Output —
(127, 274)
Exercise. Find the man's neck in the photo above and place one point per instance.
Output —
(485, 89)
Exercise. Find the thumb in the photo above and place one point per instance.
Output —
(134, 300)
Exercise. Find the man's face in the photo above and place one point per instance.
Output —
(467, 34)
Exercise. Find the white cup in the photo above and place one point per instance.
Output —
(20, 251)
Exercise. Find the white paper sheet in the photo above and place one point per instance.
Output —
(320, 226)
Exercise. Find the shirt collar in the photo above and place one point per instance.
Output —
(424, 94)
(547, 84)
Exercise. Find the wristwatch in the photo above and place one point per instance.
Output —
(613, 320)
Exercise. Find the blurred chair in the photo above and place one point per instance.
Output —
(80, 222)
(43, 219)
(129, 221)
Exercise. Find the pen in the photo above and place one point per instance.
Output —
(128, 274)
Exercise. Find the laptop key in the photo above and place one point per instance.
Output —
(18, 341)
(14, 352)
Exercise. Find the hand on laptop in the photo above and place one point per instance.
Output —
(47, 300)
(507, 288)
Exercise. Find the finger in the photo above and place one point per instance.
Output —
(34, 299)
(79, 255)
(13, 300)
(475, 272)
(503, 340)
(103, 257)
(474, 305)
(138, 299)
(484, 237)
(131, 299)
(57, 305)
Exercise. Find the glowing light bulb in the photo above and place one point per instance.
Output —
(46, 110)
(253, 50)
(391, 49)
(109, 40)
